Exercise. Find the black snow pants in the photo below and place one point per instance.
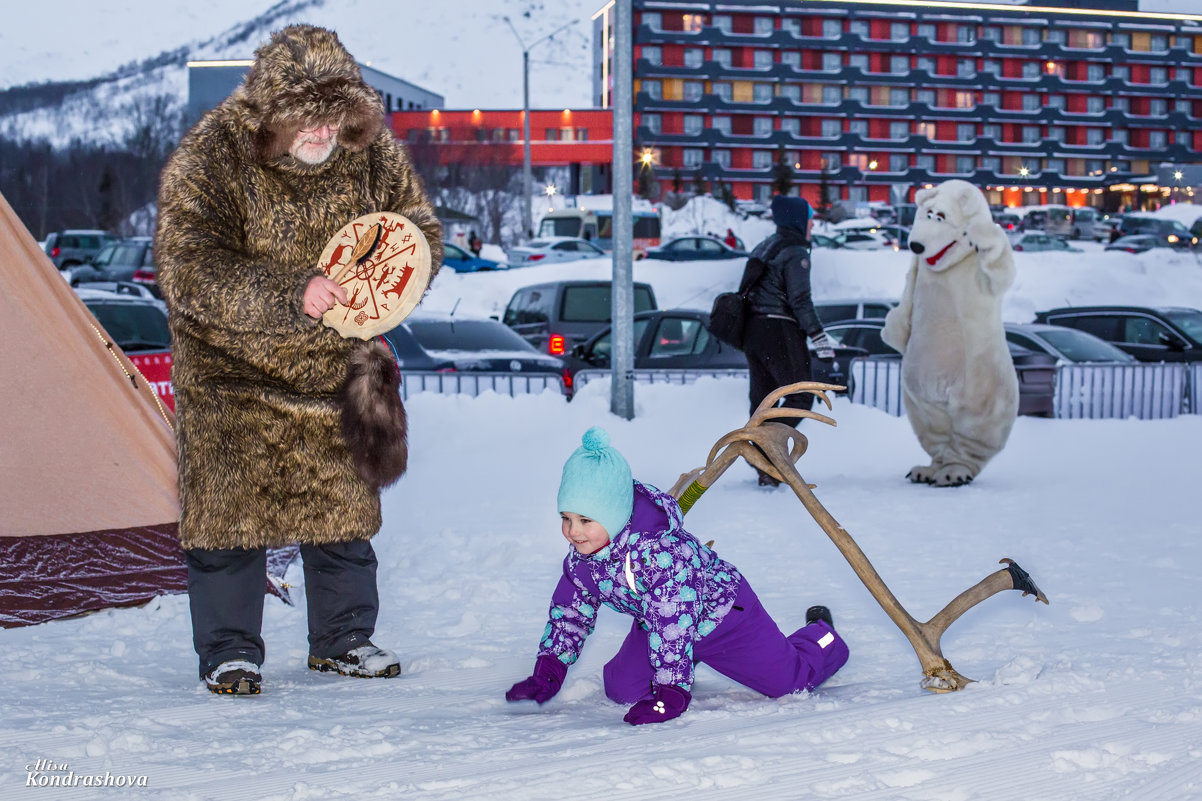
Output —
(226, 590)
(777, 355)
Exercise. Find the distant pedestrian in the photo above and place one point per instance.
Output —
(631, 553)
(474, 244)
(731, 240)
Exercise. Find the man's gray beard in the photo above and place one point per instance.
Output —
(301, 153)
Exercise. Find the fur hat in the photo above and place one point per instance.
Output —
(791, 212)
(597, 483)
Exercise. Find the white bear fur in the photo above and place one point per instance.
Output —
(958, 380)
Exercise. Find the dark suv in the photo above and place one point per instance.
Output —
(555, 316)
(76, 246)
(117, 261)
(1160, 334)
(1171, 232)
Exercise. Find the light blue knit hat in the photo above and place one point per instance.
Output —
(597, 483)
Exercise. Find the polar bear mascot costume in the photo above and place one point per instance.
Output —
(958, 380)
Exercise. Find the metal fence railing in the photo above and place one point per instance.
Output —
(651, 376)
(471, 383)
(1095, 391)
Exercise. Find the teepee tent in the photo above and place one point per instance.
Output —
(88, 500)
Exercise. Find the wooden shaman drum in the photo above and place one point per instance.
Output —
(383, 261)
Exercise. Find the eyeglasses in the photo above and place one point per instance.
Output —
(314, 128)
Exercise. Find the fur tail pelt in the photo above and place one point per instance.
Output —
(373, 417)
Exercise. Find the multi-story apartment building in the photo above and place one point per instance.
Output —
(872, 99)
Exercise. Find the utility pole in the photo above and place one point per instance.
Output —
(622, 313)
(527, 177)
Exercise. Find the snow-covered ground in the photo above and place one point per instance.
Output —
(1097, 696)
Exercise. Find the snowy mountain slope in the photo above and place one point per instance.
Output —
(461, 49)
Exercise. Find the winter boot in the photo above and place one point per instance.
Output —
(364, 662)
(816, 613)
(234, 678)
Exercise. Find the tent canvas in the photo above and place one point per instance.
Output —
(88, 498)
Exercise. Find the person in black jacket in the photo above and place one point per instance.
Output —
(782, 312)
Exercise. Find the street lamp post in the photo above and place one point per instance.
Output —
(527, 178)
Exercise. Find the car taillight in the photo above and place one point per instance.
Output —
(567, 378)
(55, 251)
(446, 370)
(1018, 247)
(556, 345)
(536, 256)
(143, 275)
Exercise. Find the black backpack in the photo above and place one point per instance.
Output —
(728, 317)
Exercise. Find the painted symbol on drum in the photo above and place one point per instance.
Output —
(382, 271)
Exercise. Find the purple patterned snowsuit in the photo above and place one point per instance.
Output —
(688, 606)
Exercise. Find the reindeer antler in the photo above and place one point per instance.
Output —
(774, 448)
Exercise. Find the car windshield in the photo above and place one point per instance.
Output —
(1189, 321)
(591, 304)
(477, 335)
(1078, 346)
(562, 226)
(133, 326)
(537, 243)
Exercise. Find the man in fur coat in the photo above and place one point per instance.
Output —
(264, 391)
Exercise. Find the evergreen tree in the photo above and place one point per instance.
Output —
(782, 173)
(698, 183)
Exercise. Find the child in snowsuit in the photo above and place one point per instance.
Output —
(631, 554)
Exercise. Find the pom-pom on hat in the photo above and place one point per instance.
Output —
(597, 483)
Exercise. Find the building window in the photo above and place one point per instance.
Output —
(763, 25)
(899, 31)
(1095, 72)
(832, 62)
(832, 128)
(991, 131)
(1031, 37)
(655, 124)
(926, 129)
(1055, 133)
(990, 163)
(722, 91)
(693, 124)
(761, 159)
(1158, 42)
(1183, 138)
(1158, 75)
(926, 63)
(1185, 74)
(899, 129)
(691, 23)
(721, 157)
(791, 91)
(1184, 105)
(761, 93)
(694, 57)
(832, 161)
(1054, 165)
(832, 29)
(721, 124)
(1055, 101)
(858, 127)
(924, 162)
(1053, 36)
(791, 57)
(966, 68)
(792, 25)
(857, 27)
(926, 31)
(722, 57)
(858, 60)
(899, 162)
(653, 20)
(1157, 139)
(991, 33)
(925, 96)
(993, 99)
(1094, 136)
(1118, 135)
(965, 164)
(1123, 40)
(991, 66)
(763, 59)
(899, 97)
(1095, 105)
(762, 126)
(966, 34)
(551, 135)
(654, 55)
(859, 93)
(692, 156)
(722, 22)
(1121, 72)
(1032, 134)
(1031, 69)
(1158, 107)
(1031, 103)
(791, 125)
(653, 89)
(1084, 40)
(966, 132)
(693, 90)
(858, 160)
(899, 65)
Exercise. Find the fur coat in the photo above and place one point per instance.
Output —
(241, 226)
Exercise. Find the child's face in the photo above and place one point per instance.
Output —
(586, 534)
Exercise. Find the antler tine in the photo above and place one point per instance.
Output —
(813, 387)
(787, 411)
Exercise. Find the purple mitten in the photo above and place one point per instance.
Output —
(542, 686)
(669, 702)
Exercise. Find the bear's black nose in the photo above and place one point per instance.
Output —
(916, 246)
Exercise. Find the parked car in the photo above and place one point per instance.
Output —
(1031, 241)
(824, 241)
(679, 339)
(1083, 221)
(554, 249)
(1172, 232)
(126, 288)
(134, 323)
(1008, 222)
(116, 261)
(1137, 243)
(557, 315)
(1066, 344)
(858, 308)
(1150, 334)
(444, 343)
(864, 238)
(461, 261)
(76, 246)
(695, 248)
(1106, 225)
(1036, 369)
